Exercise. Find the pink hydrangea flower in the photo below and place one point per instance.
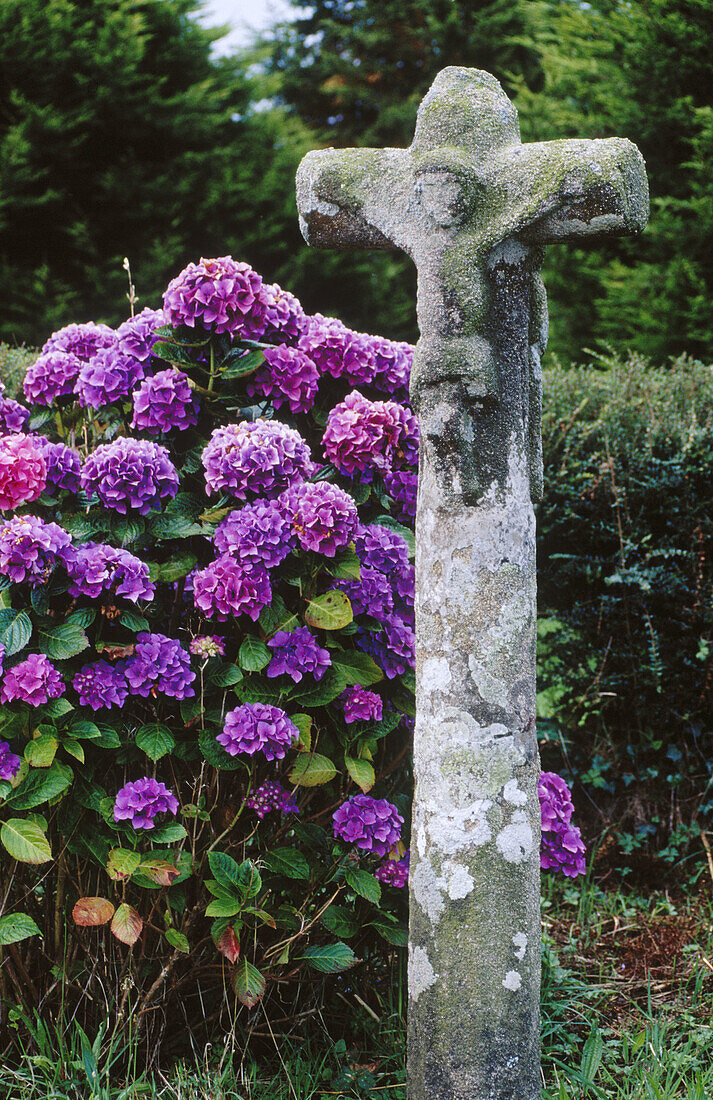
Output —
(23, 471)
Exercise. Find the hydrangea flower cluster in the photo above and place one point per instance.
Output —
(364, 437)
(260, 532)
(323, 516)
(64, 466)
(52, 375)
(160, 665)
(229, 587)
(33, 681)
(140, 801)
(288, 375)
(220, 295)
(379, 548)
(393, 647)
(100, 685)
(137, 336)
(94, 568)
(258, 727)
(208, 645)
(108, 377)
(402, 487)
(9, 762)
(130, 474)
(165, 402)
(296, 653)
(373, 824)
(285, 320)
(372, 594)
(23, 471)
(394, 872)
(30, 549)
(82, 341)
(13, 416)
(361, 705)
(562, 848)
(255, 458)
(271, 796)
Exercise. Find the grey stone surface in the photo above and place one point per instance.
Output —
(474, 208)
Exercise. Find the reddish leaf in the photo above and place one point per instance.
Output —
(228, 944)
(91, 912)
(127, 924)
(122, 863)
(248, 983)
(159, 871)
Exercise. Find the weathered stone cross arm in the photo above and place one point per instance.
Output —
(474, 209)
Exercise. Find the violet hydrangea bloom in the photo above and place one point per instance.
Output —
(109, 376)
(13, 416)
(402, 486)
(361, 705)
(231, 587)
(220, 295)
(159, 665)
(271, 796)
(555, 799)
(130, 474)
(23, 471)
(394, 872)
(380, 548)
(394, 360)
(137, 335)
(165, 402)
(207, 645)
(325, 341)
(322, 515)
(140, 801)
(371, 595)
(373, 824)
(9, 762)
(94, 568)
(255, 458)
(285, 320)
(260, 532)
(83, 341)
(30, 549)
(100, 685)
(258, 727)
(296, 653)
(33, 681)
(359, 359)
(52, 375)
(64, 466)
(364, 437)
(393, 647)
(287, 375)
(562, 848)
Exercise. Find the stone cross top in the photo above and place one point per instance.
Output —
(474, 208)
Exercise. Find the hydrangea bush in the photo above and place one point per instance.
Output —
(207, 637)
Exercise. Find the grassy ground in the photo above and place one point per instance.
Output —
(627, 1015)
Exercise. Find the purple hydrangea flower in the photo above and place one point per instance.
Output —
(394, 872)
(94, 568)
(30, 549)
(207, 645)
(258, 727)
(297, 653)
(101, 685)
(325, 341)
(371, 595)
(260, 532)
(52, 375)
(9, 762)
(393, 647)
(255, 458)
(379, 548)
(322, 515)
(373, 824)
(33, 681)
(271, 796)
(130, 473)
(84, 341)
(64, 466)
(288, 375)
(165, 402)
(109, 376)
(405, 585)
(139, 802)
(359, 359)
(137, 336)
(394, 360)
(285, 320)
(364, 437)
(555, 799)
(159, 666)
(13, 416)
(221, 295)
(361, 705)
(402, 486)
(562, 848)
(231, 587)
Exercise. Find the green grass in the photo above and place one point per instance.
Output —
(627, 1015)
(13, 364)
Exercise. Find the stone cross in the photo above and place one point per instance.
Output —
(474, 207)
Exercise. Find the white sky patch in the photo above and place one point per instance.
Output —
(246, 17)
